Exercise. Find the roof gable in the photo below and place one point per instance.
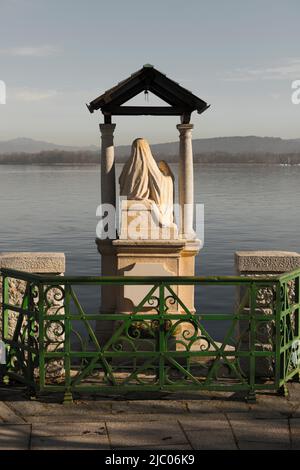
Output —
(180, 100)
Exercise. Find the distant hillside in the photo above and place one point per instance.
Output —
(250, 149)
(230, 145)
(23, 144)
(51, 157)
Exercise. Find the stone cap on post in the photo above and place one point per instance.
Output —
(269, 262)
(34, 262)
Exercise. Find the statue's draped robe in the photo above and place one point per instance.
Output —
(141, 179)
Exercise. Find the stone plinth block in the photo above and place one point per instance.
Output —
(51, 263)
(266, 262)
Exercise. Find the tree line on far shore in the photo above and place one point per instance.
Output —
(55, 157)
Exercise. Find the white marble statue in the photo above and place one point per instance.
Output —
(143, 180)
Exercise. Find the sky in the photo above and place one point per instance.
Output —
(239, 56)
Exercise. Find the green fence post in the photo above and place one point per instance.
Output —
(296, 377)
(279, 362)
(161, 336)
(297, 313)
(5, 313)
(251, 397)
(28, 305)
(5, 298)
(68, 397)
(41, 346)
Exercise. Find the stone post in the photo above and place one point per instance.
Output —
(269, 264)
(108, 178)
(38, 263)
(186, 181)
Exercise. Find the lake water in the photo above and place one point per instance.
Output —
(53, 208)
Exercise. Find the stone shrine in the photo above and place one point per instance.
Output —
(149, 241)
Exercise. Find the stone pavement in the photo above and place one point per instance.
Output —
(169, 421)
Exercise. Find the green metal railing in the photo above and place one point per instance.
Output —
(52, 343)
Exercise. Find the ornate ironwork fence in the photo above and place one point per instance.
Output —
(160, 345)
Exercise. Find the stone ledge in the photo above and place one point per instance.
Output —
(34, 262)
(266, 261)
(155, 243)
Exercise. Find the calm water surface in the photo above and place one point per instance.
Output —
(246, 208)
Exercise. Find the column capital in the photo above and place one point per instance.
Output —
(184, 129)
(107, 129)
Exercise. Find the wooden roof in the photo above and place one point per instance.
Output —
(180, 101)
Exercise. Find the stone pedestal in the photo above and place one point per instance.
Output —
(144, 258)
(263, 263)
(104, 328)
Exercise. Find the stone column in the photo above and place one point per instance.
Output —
(186, 181)
(104, 329)
(108, 178)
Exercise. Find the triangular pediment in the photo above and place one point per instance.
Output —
(177, 100)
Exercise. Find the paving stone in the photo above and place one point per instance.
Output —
(119, 407)
(85, 442)
(36, 407)
(254, 445)
(264, 411)
(295, 433)
(14, 436)
(7, 415)
(157, 447)
(68, 429)
(27, 407)
(92, 417)
(264, 432)
(202, 406)
(138, 434)
(231, 406)
(157, 406)
(35, 412)
(193, 421)
(271, 407)
(152, 423)
(213, 406)
(295, 413)
(209, 432)
(294, 392)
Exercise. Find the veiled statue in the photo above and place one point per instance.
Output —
(142, 179)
